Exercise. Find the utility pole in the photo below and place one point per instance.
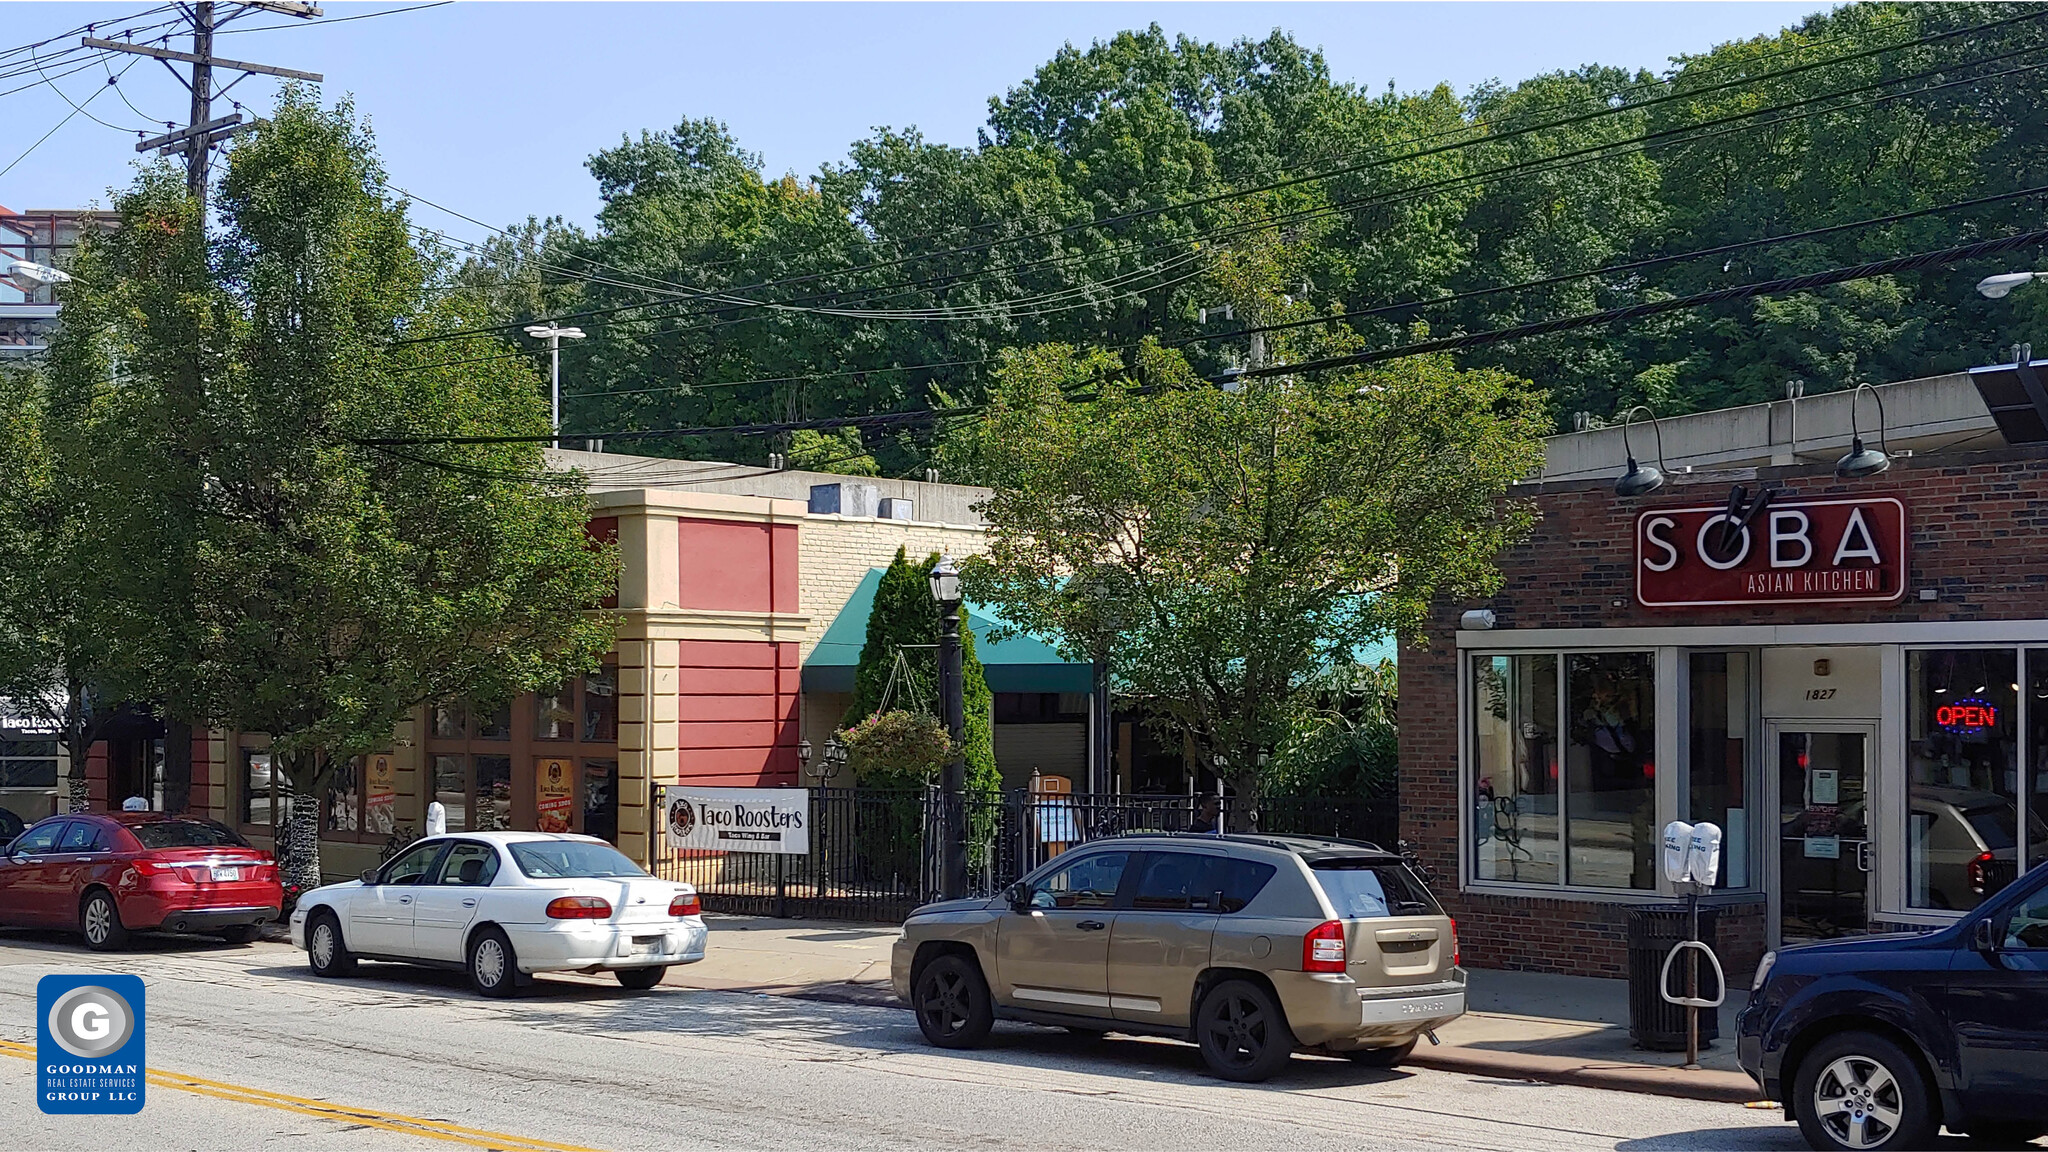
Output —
(554, 334)
(199, 136)
(197, 140)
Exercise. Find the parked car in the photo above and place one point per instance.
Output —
(1249, 946)
(502, 906)
(1877, 1042)
(109, 876)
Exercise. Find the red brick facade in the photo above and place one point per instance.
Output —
(1979, 534)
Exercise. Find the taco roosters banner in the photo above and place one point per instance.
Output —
(738, 819)
(1794, 552)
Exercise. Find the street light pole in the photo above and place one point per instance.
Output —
(945, 582)
(554, 335)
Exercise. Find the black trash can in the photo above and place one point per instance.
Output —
(1653, 1022)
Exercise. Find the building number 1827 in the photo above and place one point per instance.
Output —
(1820, 693)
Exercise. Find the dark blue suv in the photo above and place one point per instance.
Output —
(1878, 1041)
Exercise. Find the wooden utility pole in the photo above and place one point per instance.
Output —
(199, 136)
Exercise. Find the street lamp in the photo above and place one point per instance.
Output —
(2000, 286)
(1640, 479)
(554, 335)
(28, 275)
(945, 582)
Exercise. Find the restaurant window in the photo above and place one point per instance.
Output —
(601, 705)
(1718, 755)
(601, 799)
(266, 798)
(2036, 794)
(475, 792)
(493, 723)
(1610, 772)
(1963, 763)
(554, 713)
(449, 720)
(28, 761)
(362, 799)
(451, 790)
(1515, 795)
(344, 807)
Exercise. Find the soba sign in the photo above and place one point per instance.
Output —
(1790, 552)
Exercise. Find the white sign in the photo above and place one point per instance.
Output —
(776, 820)
(1827, 785)
(1823, 847)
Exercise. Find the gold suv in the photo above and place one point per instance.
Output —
(1249, 946)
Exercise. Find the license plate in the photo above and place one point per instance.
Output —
(228, 873)
(648, 943)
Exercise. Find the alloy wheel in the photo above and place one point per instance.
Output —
(99, 920)
(1857, 1101)
(1238, 1032)
(945, 1003)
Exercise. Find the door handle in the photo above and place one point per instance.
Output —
(1091, 925)
(469, 903)
(405, 899)
(1863, 856)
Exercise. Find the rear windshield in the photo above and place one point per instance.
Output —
(561, 859)
(186, 834)
(1365, 890)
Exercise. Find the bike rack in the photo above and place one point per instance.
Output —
(1720, 979)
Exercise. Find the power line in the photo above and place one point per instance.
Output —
(339, 19)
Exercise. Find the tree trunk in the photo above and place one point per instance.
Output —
(298, 840)
(177, 766)
(1244, 802)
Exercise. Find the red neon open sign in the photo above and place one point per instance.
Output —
(1967, 715)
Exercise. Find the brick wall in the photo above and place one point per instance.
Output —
(835, 553)
(1979, 534)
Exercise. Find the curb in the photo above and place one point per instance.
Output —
(1648, 1079)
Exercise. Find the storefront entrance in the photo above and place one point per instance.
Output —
(1824, 851)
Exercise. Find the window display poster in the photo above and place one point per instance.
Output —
(381, 783)
(555, 789)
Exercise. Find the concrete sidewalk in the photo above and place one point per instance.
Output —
(1520, 1025)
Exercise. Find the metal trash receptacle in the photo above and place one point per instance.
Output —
(1654, 1023)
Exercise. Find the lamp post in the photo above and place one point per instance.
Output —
(554, 335)
(945, 583)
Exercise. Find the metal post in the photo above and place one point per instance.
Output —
(781, 896)
(953, 778)
(1692, 982)
(555, 387)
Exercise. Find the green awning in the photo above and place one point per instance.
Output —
(1019, 664)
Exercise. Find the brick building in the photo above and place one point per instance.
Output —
(1853, 685)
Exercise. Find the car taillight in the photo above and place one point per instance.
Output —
(1977, 870)
(578, 908)
(154, 868)
(1454, 941)
(685, 904)
(1322, 950)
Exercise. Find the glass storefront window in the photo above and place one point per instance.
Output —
(451, 789)
(601, 799)
(1514, 827)
(448, 721)
(345, 798)
(1962, 766)
(554, 714)
(601, 705)
(494, 723)
(2037, 753)
(493, 793)
(1610, 770)
(258, 789)
(1718, 744)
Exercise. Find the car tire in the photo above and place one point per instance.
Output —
(1864, 1084)
(239, 933)
(954, 1008)
(1381, 1057)
(99, 919)
(326, 951)
(1243, 1033)
(493, 966)
(640, 979)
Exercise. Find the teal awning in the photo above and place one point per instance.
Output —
(1019, 664)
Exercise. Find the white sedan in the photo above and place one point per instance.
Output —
(504, 905)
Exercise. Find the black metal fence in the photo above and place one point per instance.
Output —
(874, 853)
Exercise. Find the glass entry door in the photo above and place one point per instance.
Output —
(1824, 854)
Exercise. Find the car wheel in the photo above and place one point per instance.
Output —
(493, 967)
(1859, 1090)
(100, 920)
(1381, 1057)
(641, 979)
(1243, 1033)
(239, 933)
(2005, 1133)
(325, 949)
(954, 1009)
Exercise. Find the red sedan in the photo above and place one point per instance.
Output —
(109, 875)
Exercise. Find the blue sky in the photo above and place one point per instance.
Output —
(491, 108)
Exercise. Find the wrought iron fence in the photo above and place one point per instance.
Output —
(875, 853)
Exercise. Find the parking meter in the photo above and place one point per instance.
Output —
(1703, 855)
(1677, 846)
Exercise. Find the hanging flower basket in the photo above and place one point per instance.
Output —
(897, 748)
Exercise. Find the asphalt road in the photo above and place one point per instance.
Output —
(246, 1048)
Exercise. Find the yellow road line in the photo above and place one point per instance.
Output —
(389, 1121)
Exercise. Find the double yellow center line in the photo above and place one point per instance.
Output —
(339, 1113)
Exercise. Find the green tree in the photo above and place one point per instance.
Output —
(902, 644)
(1252, 539)
(1348, 744)
(276, 573)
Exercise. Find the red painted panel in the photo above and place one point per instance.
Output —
(725, 681)
(727, 734)
(782, 558)
(758, 707)
(740, 767)
(728, 654)
(729, 566)
(603, 530)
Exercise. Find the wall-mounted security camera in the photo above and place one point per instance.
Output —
(1477, 620)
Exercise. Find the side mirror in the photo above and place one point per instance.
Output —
(369, 876)
(1019, 896)
(1984, 936)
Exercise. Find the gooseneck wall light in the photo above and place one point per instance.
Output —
(1862, 461)
(1640, 479)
